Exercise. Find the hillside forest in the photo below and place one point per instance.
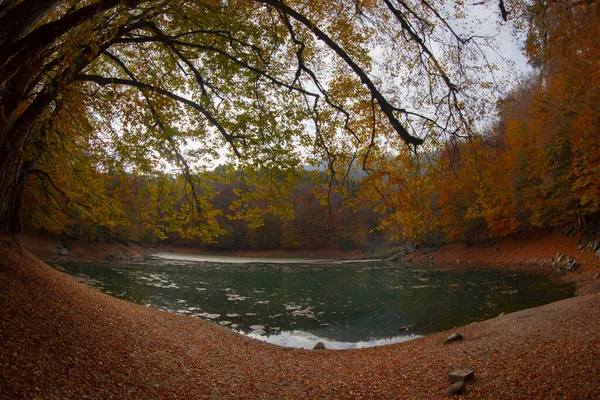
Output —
(116, 158)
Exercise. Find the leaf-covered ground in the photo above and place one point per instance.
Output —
(59, 339)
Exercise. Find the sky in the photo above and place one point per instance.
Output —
(487, 21)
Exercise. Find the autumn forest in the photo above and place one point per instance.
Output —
(268, 124)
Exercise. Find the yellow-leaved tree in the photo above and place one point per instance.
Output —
(157, 91)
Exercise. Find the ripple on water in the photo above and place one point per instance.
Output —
(235, 297)
(258, 329)
(209, 315)
(307, 312)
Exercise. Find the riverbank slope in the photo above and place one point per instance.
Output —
(63, 340)
(538, 249)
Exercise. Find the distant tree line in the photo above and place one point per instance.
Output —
(152, 210)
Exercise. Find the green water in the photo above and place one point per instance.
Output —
(344, 304)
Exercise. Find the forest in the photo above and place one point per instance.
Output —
(175, 122)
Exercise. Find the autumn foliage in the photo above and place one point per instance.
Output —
(538, 165)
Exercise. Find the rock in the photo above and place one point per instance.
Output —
(62, 251)
(598, 253)
(455, 388)
(596, 276)
(574, 264)
(319, 346)
(59, 268)
(395, 257)
(596, 245)
(461, 375)
(406, 328)
(455, 337)
(559, 257)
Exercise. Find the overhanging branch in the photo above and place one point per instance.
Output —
(103, 81)
(384, 105)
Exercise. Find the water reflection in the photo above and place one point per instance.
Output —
(341, 304)
(305, 340)
(213, 258)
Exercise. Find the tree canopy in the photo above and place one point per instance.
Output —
(92, 92)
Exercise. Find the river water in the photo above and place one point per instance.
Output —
(297, 303)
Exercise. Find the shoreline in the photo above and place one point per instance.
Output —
(61, 339)
(51, 249)
(534, 251)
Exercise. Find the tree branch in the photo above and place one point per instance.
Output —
(103, 81)
(50, 32)
(171, 41)
(384, 105)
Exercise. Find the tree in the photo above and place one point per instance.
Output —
(562, 42)
(280, 83)
(537, 165)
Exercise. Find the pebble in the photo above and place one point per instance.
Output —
(319, 346)
(455, 337)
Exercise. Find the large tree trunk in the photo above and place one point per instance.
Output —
(13, 172)
(18, 20)
(17, 50)
(13, 93)
(23, 49)
(12, 222)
